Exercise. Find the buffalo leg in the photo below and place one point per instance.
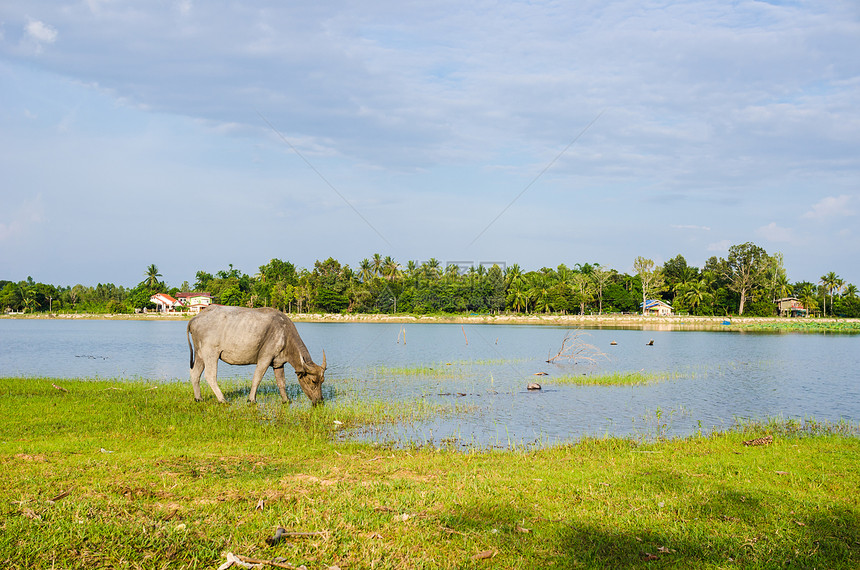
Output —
(258, 377)
(211, 374)
(281, 381)
(196, 371)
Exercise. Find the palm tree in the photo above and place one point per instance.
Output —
(519, 296)
(431, 268)
(377, 264)
(685, 279)
(807, 297)
(830, 281)
(696, 293)
(411, 268)
(782, 287)
(390, 268)
(539, 291)
(850, 291)
(513, 273)
(452, 271)
(152, 276)
(365, 271)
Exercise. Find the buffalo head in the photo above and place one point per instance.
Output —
(311, 376)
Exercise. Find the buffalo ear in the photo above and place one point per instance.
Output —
(323, 364)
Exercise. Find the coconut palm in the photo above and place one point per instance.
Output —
(152, 276)
(782, 288)
(696, 293)
(829, 282)
(390, 268)
(807, 298)
(377, 264)
(365, 270)
(431, 268)
(540, 287)
(518, 296)
(513, 273)
(452, 271)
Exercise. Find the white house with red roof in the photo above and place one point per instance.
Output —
(164, 302)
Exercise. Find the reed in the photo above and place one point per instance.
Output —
(615, 378)
(452, 369)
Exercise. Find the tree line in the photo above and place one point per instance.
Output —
(747, 282)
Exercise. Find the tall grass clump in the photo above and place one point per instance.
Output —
(615, 378)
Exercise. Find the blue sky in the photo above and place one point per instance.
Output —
(144, 132)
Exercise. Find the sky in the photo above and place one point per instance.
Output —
(195, 136)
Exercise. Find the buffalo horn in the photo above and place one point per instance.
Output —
(323, 360)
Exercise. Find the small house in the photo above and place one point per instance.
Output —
(194, 301)
(656, 307)
(164, 302)
(790, 307)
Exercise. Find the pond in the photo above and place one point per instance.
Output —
(479, 374)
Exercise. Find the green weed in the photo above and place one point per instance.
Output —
(615, 378)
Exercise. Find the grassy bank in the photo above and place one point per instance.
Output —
(677, 322)
(98, 474)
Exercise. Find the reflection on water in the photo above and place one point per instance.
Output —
(482, 371)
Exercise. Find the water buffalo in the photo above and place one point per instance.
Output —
(265, 337)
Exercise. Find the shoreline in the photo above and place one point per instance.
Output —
(675, 322)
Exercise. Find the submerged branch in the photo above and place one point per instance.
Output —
(575, 349)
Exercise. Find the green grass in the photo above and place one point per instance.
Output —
(137, 475)
(614, 378)
(799, 325)
(453, 369)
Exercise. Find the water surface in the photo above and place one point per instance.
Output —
(481, 372)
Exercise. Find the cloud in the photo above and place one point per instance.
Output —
(713, 112)
(184, 7)
(773, 232)
(27, 214)
(41, 32)
(831, 207)
(690, 227)
(722, 245)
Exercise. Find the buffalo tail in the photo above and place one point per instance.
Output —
(190, 348)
